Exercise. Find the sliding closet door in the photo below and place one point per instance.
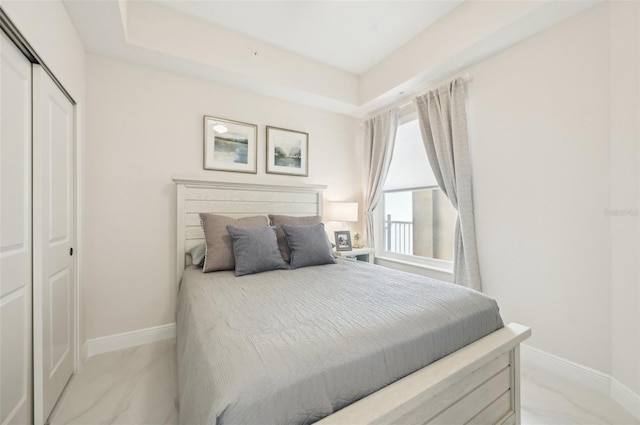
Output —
(53, 238)
(15, 235)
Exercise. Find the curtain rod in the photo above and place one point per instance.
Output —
(418, 92)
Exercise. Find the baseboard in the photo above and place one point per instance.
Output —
(625, 397)
(583, 375)
(129, 339)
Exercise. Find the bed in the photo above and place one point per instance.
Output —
(469, 376)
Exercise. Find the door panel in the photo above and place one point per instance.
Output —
(60, 318)
(15, 235)
(54, 279)
(16, 357)
(60, 145)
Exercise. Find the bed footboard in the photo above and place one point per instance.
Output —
(478, 384)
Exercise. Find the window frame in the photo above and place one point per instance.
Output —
(414, 260)
(407, 114)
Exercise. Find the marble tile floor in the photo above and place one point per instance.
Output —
(139, 386)
(132, 386)
(549, 399)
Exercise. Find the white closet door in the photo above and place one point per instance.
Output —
(15, 235)
(53, 238)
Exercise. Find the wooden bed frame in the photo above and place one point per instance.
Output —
(478, 384)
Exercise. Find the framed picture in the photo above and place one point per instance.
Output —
(230, 145)
(287, 152)
(343, 240)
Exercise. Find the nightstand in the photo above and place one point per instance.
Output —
(361, 254)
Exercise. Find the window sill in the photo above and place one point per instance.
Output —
(419, 265)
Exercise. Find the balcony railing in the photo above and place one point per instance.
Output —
(399, 236)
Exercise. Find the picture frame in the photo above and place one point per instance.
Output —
(230, 145)
(343, 240)
(287, 152)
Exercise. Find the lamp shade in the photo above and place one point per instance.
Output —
(343, 211)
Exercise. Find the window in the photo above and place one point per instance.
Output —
(416, 220)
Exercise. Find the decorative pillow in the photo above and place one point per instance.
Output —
(219, 253)
(197, 254)
(256, 250)
(309, 245)
(278, 220)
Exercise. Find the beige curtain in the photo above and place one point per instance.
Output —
(379, 137)
(443, 124)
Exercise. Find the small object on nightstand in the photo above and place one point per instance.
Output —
(356, 240)
(343, 240)
(361, 254)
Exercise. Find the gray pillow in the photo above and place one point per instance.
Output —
(255, 250)
(197, 254)
(279, 220)
(309, 245)
(219, 253)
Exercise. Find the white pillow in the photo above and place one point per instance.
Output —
(197, 255)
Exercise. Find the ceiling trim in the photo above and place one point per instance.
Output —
(154, 35)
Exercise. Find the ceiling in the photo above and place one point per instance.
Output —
(348, 35)
(350, 57)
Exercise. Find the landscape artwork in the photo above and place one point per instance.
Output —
(230, 145)
(287, 152)
(231, 148)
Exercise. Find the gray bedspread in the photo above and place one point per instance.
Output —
(293, 346)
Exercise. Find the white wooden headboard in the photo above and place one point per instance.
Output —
(196, 195)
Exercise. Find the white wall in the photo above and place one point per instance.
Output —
(625, 187)
(145, 125)
(555, 141)
(539, 136)
(553, 124)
